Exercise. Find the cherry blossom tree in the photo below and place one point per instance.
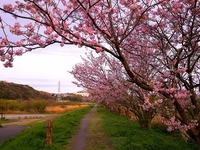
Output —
(175, 37)
(110, 86)
(166, 31)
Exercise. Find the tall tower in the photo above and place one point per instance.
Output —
(58, 94)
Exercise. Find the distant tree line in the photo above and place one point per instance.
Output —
(15, 91)
(35, 106)
(73, 97)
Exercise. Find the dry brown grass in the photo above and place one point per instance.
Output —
(60, 109)
(53, 109)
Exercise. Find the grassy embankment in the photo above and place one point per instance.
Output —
(120, 134)
(33, 138)
(106, 131)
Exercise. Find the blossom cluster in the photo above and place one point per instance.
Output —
(174, 124)
(148, 51)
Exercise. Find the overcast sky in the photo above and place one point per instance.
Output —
(42, 69)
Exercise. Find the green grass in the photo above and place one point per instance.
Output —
(7, 120)
(118, 133)
(126, 135)
(34, 138)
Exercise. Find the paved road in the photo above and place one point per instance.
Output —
(10, 131)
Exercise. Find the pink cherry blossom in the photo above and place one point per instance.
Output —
(2, 51)
(148, 50)
(19, 52)
(8, 7)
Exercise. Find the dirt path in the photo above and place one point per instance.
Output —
(96, 138)
(90, 135)
(79, 140)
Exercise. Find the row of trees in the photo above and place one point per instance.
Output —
(34, 106)
(109, 85)
(149, 51)
(74, 98)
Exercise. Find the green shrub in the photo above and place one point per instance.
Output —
(39, 105)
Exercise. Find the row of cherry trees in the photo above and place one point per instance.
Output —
(155, 43)
(109, 85)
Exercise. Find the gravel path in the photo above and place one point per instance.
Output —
(79, 140)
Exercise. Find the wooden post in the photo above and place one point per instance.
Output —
(2, 115)
(49, 132)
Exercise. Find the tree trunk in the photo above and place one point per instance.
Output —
(128, 114)
(194, 133)
(198, 142)
(145, 123)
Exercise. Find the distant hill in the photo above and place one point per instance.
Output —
(13, 91)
